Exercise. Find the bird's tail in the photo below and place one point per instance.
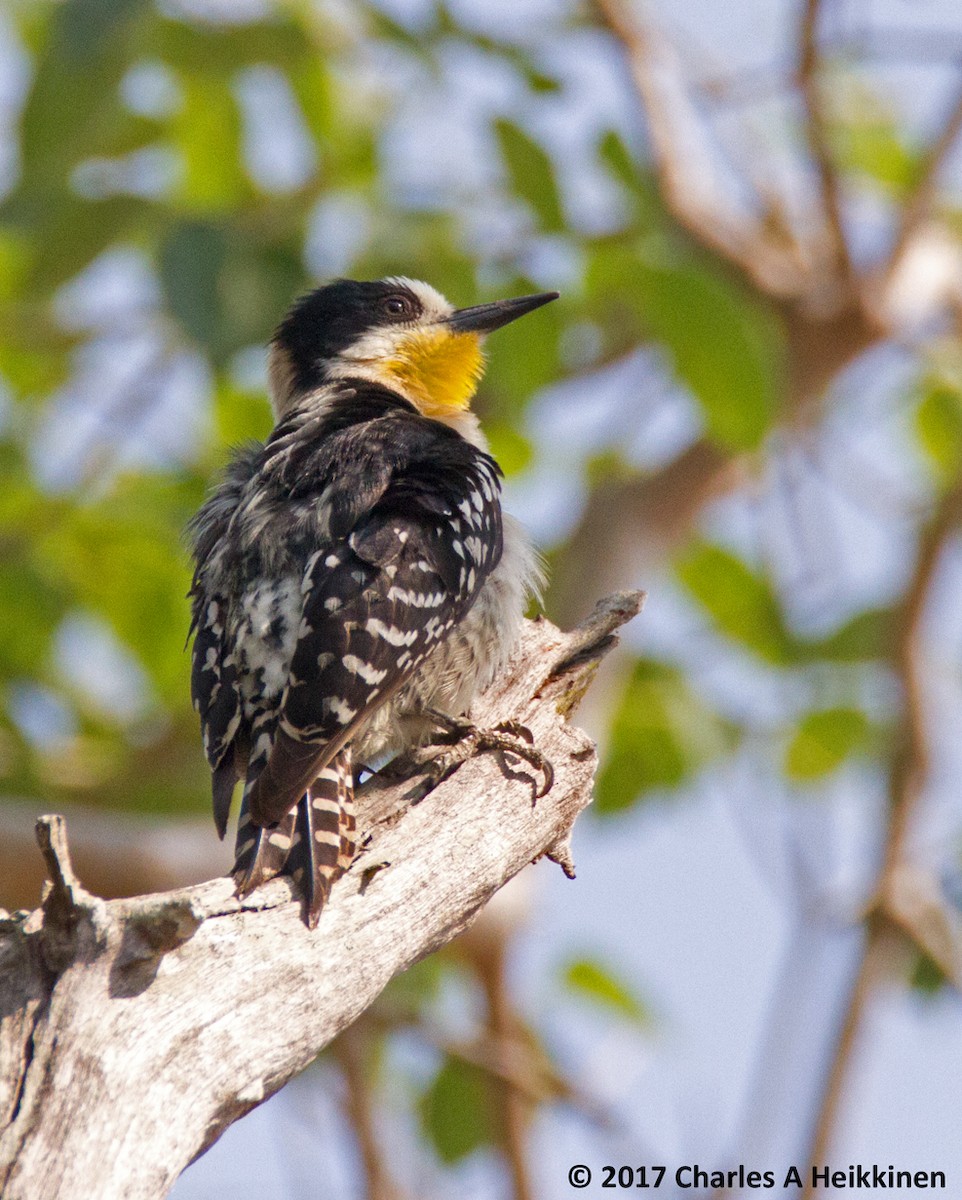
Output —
(262, 853)
(348, 823)
(315, 842)
(322, 817)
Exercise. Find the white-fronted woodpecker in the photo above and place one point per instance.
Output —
(355, 577)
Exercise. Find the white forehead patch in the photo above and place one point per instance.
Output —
(434, 304)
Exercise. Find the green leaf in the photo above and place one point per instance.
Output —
(417, 41)
(589, 978)
(530, 174)
(938, 426)
(207, 131)
(225, 286)
(32, 600)
(868, 635)
(68, 233)
(660, 734)
(608, 467)
(14, 261)
(456, 1111)
(72, 110)
(823, 741)
(722, 346)
(123, 558)
(33, 373)
(719, 347)
(539, 82)
(260, 277)
(219, 51)
(408, 994)
(927, 977)
(867, 137)
(635, 178)
(32, 605)
(743, 605)
(526, 357)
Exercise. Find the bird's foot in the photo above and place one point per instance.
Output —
(466, 740)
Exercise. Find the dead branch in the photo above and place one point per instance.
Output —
(116, 853)
(133, 1032)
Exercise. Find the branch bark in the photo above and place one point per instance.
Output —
(115, 853)
(133, 1032)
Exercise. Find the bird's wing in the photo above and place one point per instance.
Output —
(376, 603)
(213, 690)
(213, 681)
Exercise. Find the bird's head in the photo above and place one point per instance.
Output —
(398, 332)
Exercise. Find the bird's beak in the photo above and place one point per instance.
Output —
(486, 318)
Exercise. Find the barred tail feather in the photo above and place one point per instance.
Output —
(262, 853)
(315, 841)
(348, 827)
(319, 823)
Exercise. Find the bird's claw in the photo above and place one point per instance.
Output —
(516, 729)
(507, 737)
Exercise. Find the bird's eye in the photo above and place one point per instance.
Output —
(398, 305)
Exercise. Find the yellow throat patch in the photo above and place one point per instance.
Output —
(437, 369)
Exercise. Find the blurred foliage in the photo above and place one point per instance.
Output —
(456, 1110)
(867, 139)
(927, 977)
(742, 603)
(938, 419)
(823, 741)
(134, 137)
(588, 978)
(661, 733)
(137, 155)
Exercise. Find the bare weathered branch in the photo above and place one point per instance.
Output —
(114, 1013)
(115, 853)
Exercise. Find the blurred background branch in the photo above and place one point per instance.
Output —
(908, 778)
(749, 400)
